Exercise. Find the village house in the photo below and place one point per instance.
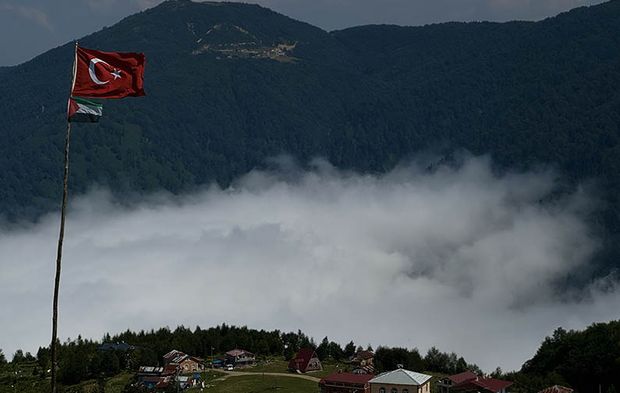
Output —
(158, 383)
(469, 382)
(191, 364)
(446, 383)
(240, 358)
(175, 364)
(305, 360)
(345, 383)
(217, 363)
(185, 382)
(400, 381)
(149, 371)
(183, 362)
(170, 369)
(557, 389)
(482, 385)
(363, 362)
(153, 377)
(173, 355)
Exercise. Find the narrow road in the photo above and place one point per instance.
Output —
(258, 374)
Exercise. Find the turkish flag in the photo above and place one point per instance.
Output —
(108, 74)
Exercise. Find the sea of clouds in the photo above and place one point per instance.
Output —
(456, 257)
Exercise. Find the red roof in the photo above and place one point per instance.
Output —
(160, 382)
(351, 378)
(301, 360)
(462, 377)
(490, 384)
(164, 383)
(170, 369)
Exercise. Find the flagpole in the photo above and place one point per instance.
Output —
(65, 191)
(61, 237)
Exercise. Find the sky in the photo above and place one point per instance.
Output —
(31, 27)
(459, 258)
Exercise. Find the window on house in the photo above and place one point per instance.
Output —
(382, 390)
(405, 390)
(394, 390)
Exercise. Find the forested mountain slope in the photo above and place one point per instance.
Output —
(230, 85)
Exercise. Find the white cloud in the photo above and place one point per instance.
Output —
(459, 258)
(32, 13)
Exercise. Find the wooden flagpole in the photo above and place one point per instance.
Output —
(61, 237)
(65, 191)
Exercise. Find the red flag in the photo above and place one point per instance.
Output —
(108, 74)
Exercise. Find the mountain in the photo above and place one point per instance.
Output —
(231, 84)
(216, 105)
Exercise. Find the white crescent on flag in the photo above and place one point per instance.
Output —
(91, 71)
(107, 74)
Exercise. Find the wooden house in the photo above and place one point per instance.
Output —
(305, 360)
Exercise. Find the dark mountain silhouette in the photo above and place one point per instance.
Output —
(230, 85)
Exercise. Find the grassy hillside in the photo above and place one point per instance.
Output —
(25, 378)
(257, 384)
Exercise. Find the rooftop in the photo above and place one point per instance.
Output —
(239, 352)
(557, 389)
(490, 384)
(361, 379)
(401, 377)
(462, 377)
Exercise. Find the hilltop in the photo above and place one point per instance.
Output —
(230, 85)
(585, 360)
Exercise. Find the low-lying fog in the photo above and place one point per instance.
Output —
(458, 258)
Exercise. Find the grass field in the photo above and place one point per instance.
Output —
(268, 366)
(116, 384)
(281, 366)
(260, 384)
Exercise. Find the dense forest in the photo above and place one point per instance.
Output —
(365, 98)
(582, 360)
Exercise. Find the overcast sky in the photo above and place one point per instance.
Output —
(460, 259)
(31, 27)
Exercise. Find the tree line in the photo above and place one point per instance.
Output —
(588, 360)
(81, 359)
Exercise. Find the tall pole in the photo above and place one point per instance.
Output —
(61, 236)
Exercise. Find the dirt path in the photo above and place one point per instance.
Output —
(258, 374)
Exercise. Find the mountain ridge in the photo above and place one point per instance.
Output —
(365, 98)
